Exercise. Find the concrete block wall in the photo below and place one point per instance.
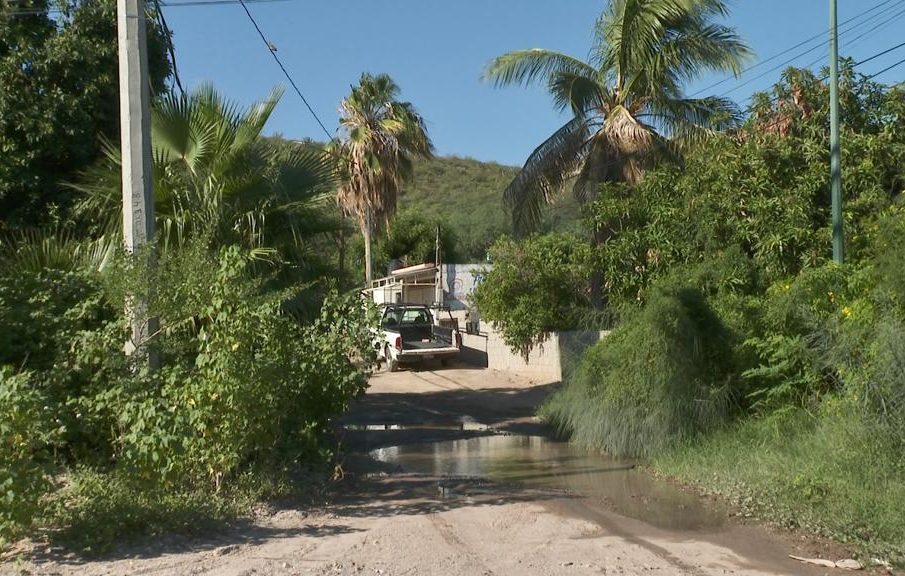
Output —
(489, 350)
(551, 362)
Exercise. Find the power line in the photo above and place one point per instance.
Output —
(887, 69)
(162, 21)
(877, 27)
(791, 48)
(852, 28)
(891, 20)
(273, 52)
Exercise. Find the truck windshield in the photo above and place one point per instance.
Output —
(406, 316)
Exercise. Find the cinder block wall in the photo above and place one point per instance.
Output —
(551, 362)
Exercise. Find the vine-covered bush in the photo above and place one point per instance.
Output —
(664, 374)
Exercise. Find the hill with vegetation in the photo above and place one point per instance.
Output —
(467, 195)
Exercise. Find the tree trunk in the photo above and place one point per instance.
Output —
(367, 236)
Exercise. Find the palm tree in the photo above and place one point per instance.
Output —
(214, 173)
(382, 137)
(627, 101)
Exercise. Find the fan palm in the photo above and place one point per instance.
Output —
(215, 173)
(627, 102)
(382, 137)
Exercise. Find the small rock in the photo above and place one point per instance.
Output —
(224, 550)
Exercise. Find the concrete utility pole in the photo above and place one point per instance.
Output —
(835, 148)
(138, 193)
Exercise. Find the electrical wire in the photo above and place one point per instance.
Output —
(168, 34)
(789, 61)
(887, 69)
(273, 52)
(818, 36)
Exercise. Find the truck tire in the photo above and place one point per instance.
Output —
(392, 365)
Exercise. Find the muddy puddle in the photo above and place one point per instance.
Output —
(538, 462)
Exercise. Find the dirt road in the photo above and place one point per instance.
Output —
(384, 520)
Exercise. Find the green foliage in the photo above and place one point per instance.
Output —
(823, 472)
(215, 176)
(27, 429)
(412, 238)
(240, 380)
(244, 387)
(535, 287)
(97, 511)
(59, 92)
(665, 374)
(765, 194)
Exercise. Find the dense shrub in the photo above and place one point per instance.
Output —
(240, 380)
(27, 429)
(536, 286)
(412, 237)
(663, 375)
(243, 385)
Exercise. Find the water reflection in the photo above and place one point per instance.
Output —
(538, 462)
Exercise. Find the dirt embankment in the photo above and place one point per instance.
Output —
(389, 521)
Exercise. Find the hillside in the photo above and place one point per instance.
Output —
(467, 195)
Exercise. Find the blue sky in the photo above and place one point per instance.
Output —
(436, 49)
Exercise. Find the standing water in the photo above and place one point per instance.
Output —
(538, 462)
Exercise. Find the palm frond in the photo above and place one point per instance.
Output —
(574, 92)
(542, 177)
(37, 250)
(536, 65)
(687, 121)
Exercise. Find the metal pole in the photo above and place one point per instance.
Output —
(835, 149)
(138, 194)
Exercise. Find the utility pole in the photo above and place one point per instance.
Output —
(835, 149)
(138, 193)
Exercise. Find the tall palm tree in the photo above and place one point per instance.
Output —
(215, 173)
(381, 137)
(627, 101)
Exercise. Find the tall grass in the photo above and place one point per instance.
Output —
(826, 473)
(662, 376)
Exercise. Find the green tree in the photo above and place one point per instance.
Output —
(381, 138)
(536, 286)
(413, 238)
(628, 102)
(58, 93)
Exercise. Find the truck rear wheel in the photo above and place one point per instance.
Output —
(392, 365)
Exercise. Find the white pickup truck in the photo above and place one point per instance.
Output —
(410, 335)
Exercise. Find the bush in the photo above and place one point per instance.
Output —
(665, 374)
(27, 430)
(240, 381)
(536, 287)
(244, 387)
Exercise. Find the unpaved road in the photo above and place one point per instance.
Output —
(387, 521)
